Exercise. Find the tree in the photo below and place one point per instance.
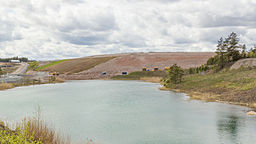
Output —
(1, 72)
(221, 53)
(174, 74)
(232, 45)
(243, 54)
(252, 52)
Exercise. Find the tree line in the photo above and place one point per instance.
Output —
(228, 51)
(22, 59)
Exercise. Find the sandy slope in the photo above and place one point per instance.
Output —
(136, 61)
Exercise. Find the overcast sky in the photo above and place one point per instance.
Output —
(56, 29)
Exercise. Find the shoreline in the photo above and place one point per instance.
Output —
(206, 97)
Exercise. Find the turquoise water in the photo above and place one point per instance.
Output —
(130, 112)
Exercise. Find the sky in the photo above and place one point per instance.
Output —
(57, 29)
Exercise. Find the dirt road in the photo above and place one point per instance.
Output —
(22, 69)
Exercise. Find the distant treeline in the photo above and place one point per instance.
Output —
(22, 59)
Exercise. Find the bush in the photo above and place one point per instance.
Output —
(32, 131)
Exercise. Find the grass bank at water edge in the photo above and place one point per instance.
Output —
(233, 86)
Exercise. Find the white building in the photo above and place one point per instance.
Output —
(15, 61)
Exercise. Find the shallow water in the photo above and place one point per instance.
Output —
(130, 112)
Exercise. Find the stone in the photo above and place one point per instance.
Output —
(251, 113)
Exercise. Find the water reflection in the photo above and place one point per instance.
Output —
(228, 128)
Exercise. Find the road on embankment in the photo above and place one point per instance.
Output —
(22, 69)
(16, 75)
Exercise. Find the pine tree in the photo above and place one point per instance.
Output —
(1, 72)
(221, 52)
(175, 74)
(232, 44)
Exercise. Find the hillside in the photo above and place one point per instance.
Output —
(72, 66)
(92, 67)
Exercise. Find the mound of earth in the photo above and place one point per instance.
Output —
(249, 62)
(137, 61)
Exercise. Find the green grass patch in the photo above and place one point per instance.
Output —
(50, 64)
(32, 65)
(241, 80)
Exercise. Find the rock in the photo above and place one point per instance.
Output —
(251, 113)
(249, 62)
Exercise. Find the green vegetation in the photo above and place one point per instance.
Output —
(140, 74)
(1, 72)
(229, 50)
(218, 82)
(31, 131)
(50, 64)
(197, 70)
(174, 75)
(18, 136)
(226, 85)
(33, 65)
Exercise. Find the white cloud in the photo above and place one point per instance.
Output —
(44, 29)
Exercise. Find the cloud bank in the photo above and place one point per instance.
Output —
(56, 29)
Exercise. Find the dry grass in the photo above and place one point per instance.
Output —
(4, 86)
(77, 65)
(40, 131)
(151, 79)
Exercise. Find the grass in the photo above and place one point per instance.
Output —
(33, 65)
(34, 131)
(31, 131)
(50, 64)
(237, 86)
(151, 79)
(4, 86)
(140, 75)
(77, 65)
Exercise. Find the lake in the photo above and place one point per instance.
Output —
(129, 112)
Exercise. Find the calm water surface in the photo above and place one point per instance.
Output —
(130, 112)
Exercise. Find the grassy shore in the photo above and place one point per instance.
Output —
(232, 86)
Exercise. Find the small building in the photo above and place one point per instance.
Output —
(14, 61)
(124, 73)
(104, 73)
(156, 69)
(54, 73)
